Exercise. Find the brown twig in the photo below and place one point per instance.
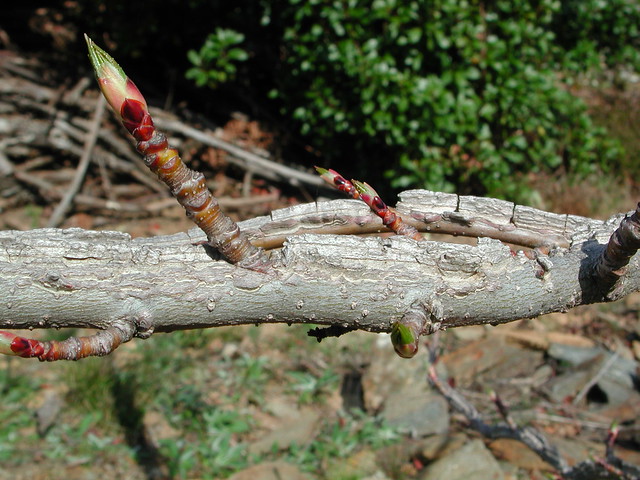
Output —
(254, 163)
(225, 202)
(529, 436)
(49, 191)
(363, 191)
(73, 133)
(535, 440)
(61, 209)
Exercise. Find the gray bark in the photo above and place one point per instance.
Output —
(54, 278)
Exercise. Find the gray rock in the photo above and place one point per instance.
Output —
(363, 464)
(388, 373)
(471, 462)
(47, 413)
(417, 410)
(437, 446)
(613, 375)
(299, 430)
(566, 386)
(472, 359)
(573, 355)
(271, 471)
(617, 378)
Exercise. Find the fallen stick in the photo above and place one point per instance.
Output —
(258, 165)
(61, 209)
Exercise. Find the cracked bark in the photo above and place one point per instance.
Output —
(74, 278)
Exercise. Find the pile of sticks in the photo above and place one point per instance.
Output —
(60, 147)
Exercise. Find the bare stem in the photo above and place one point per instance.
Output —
(186, 185)
(73, 348)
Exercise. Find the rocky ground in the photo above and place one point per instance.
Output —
(269, 403)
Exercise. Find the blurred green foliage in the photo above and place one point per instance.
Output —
(215, 62)
(465, 95)
(596, 32)
(450, 94)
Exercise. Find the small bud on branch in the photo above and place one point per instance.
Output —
(404, 341)
(623, 244)
(366, 193)
(405, 334)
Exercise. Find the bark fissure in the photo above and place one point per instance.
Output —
(77, 278)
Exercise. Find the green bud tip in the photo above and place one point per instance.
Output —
(101, 60)
(364, 188)
(114, 83)
(405, 343)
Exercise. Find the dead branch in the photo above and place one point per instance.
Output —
(251, 162)
(61, 123)
(610, 467)
(58, 214)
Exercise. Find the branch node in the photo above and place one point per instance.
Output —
(418, 320)
(144, 326)
(543, 263)
(623, 244)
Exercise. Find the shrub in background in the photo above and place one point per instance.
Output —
(598, 32)
(215, 62)
(448, 94)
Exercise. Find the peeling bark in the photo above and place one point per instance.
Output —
(74, 278)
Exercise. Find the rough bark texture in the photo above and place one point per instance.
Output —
(63, 278)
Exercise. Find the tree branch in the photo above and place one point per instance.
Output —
(75, 278)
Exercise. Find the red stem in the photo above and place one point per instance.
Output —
(73, 348)
(190, 189)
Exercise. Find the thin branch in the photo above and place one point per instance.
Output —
(73, 348)
(529, 436)
(587, 470)
(51, 192)
(626, 470)
(133, 167)
(61, 209)
(224, 202)
(363, 191)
